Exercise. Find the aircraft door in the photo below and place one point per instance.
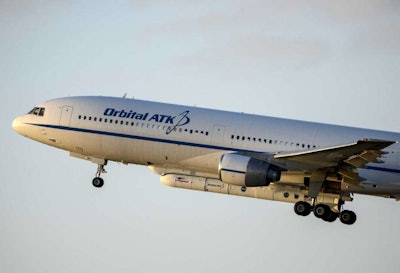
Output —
(66, 114)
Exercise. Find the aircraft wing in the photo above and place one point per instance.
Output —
(357, 154)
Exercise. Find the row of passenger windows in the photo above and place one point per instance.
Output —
(271, 141)
(143, 125)
(192, 131)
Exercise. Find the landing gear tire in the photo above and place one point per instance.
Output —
(348, 217)
(98, 182)
(322, 211)
(302, 208)
(331, 217)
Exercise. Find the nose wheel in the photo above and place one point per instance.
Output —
(98, 182)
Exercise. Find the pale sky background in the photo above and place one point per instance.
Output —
(326, 61)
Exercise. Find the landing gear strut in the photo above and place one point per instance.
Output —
(98, 182)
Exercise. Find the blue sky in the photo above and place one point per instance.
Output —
(335, 62)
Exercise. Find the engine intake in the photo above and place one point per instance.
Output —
(247, 171)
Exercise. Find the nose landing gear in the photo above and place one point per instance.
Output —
(98, 182)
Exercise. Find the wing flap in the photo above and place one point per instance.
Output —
(349, 174)
(359, 161)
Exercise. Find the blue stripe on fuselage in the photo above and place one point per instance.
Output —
(191, 144)
(382, 169)
(198, 145)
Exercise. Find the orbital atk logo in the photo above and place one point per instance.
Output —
(173, 121)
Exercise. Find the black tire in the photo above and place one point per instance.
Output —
(331, 217)
(302, 208)
(98, 182)
(322, 211)
(348, 217)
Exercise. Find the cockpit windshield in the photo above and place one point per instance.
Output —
(38, 111)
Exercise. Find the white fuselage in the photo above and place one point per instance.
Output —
(190, 140)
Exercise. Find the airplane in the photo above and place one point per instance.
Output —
(317, 167)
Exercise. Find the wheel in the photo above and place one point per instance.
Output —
(331, 217)
(302, 208)
(98, 182)
(322, 211)
(348, 217)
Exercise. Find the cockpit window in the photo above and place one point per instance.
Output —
(38, 111)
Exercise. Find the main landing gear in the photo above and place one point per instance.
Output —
(325, 213)
(98, 182)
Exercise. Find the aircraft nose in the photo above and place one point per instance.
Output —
(17, 125)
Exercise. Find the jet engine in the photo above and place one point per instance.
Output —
(247, 171)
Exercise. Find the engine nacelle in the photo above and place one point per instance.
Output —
(246, 171)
